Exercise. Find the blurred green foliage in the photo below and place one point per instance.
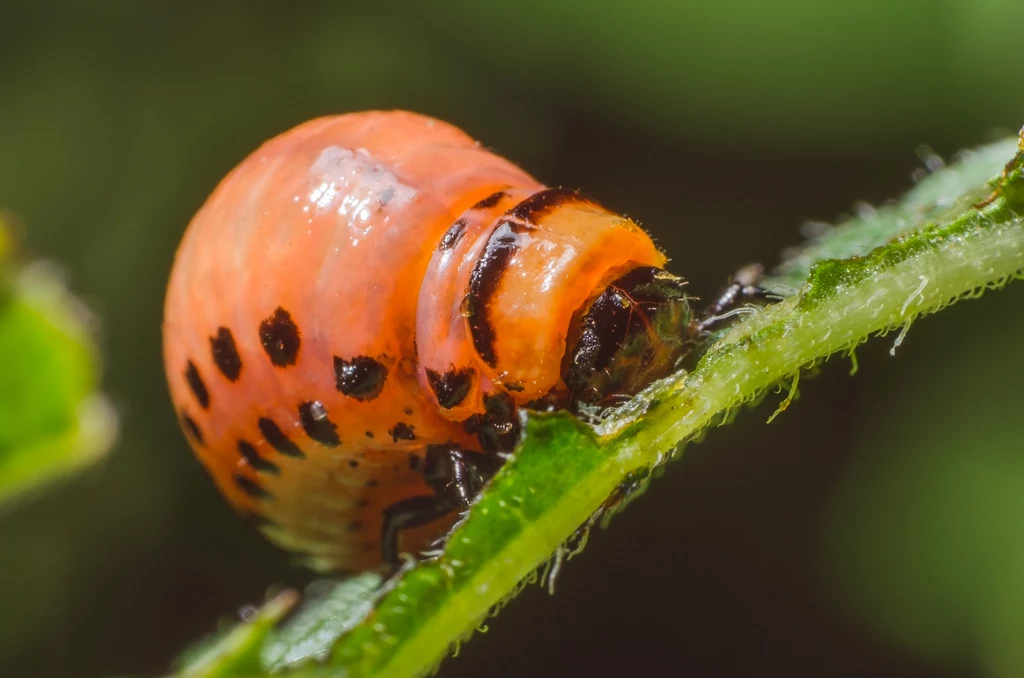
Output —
(722, 128)
(52, 420)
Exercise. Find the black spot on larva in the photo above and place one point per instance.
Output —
(369, 434)
(354, 526)
(372, 482)
(513, 386)
(225, 354)
(408, 411)
(278, 440)
(362, 503)
(361, 378)
(451, 387)
(453, 235)
(251, 487)
(280, 338)
(191, 428)
(543, 202)
(354, 463)
(488, 271)
(247, 450)
(401, 431)
(314, 419)
(195, 382)
(414, 462)
(490, 201)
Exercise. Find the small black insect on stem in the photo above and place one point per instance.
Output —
(743, 289)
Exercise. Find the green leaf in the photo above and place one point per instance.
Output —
(330, 610)
(52, 420)
(939, 196)
(956, 234)
(262, 645)
(235, 650)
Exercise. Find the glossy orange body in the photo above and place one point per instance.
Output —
(331, 288)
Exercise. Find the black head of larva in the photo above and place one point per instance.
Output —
(361, 377)
(630, 334)
(279, 336)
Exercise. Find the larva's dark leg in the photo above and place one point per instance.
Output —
(456, 476)
(407, 513)
(497, 428)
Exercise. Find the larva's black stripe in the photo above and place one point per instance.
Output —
(501, 246)
(414, 462)
(451, 387)
(251, 487)
(318, 427)
(500, 249)
(247, 450)
(490, 201)
(225, 354)
(543, 202)
(452, 236)
(401, 431)
(273, 434)
(361, 377)
(191, 427)
(195, 382)
(280, 338)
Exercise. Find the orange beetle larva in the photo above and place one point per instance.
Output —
(359, 309)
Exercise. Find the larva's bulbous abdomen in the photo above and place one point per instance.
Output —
(359, 289)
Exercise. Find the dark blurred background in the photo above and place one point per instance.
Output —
(877, 528)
